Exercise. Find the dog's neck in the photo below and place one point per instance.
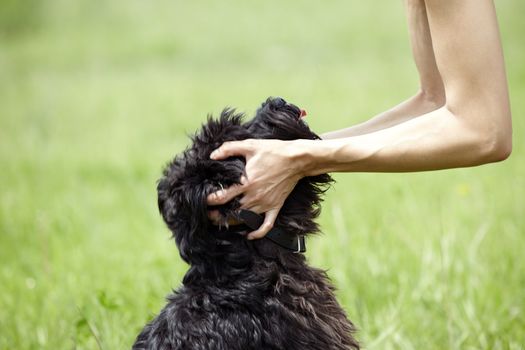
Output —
(232, 258)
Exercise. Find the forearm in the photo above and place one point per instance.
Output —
(474, 127)
(417, 105)
(436, 140)
(431, 94)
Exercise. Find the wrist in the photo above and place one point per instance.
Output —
(314, 157)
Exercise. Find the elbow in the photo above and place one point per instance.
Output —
(503, 151)
(500, 151)
(489, 124)
(496, 147)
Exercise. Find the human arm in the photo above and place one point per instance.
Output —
(431, 93)
(473, 127)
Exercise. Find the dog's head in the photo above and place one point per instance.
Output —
(192, 175)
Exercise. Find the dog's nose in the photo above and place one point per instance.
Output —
(279, 102)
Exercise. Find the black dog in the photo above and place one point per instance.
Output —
(240, 294)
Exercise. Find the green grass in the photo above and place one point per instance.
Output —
(96, 96)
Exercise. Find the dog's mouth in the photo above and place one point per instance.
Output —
(300, 114)
(297, 112)
(303, 113)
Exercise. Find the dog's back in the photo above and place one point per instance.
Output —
(241, 294)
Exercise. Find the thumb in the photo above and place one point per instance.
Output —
(232, 148)
(267, 225)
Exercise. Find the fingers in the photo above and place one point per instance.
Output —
(267, 225)
(225, 195)
(232, 148)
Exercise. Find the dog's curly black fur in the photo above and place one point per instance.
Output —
(240, 294)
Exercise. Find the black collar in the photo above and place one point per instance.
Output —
(277, 235)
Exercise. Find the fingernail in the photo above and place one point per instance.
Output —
(213, 154)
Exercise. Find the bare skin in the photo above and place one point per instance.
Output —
(459, 117)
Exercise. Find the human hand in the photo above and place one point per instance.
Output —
(272, 171)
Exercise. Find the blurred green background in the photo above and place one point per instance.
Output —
(95, 96)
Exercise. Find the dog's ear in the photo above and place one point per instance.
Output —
(181, 201)
(191, 176)
(279, 119)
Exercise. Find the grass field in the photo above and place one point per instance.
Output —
(95, 96)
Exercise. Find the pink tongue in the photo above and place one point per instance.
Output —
(303, 113)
